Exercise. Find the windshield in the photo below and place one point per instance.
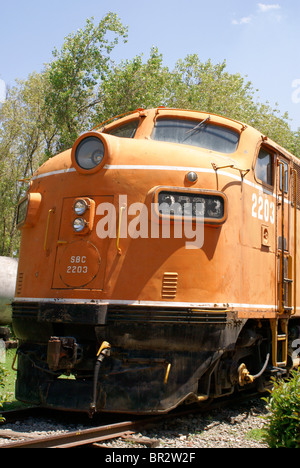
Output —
(125, 131)
(202, 134)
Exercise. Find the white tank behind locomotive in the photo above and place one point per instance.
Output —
(8, 275)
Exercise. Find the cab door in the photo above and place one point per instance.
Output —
(286, 225)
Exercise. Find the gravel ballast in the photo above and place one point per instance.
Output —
(231, 427)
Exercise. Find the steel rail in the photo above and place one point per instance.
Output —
(82, 437)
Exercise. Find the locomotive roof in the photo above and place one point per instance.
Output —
(194, 114)
(150, 115)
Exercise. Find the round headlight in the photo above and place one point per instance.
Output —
(89, 153)
(80, 207)
(79, 224)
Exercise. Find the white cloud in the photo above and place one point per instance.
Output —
(263, 7)
(244, 20)
(2, 90)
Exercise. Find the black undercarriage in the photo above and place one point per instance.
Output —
(132, 359)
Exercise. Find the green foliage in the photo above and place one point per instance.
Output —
(74, 73)
(45, 113)
(22, 133)
(209, 87)
(191, 85)
(283, 428)
(133, 84)
(2, 384)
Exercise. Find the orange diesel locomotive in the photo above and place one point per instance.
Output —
(158, 265)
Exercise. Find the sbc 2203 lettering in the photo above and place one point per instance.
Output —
(78, 264)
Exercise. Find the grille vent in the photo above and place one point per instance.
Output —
(169, 285)
(19, 284)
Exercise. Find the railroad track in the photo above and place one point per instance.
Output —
(87, 437)
(95, 436)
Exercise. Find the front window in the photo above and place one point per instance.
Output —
(127, 130)
(202, 134)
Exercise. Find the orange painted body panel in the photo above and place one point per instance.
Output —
(236, 269)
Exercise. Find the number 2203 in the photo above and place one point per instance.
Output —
(77, 269)
(263, 209)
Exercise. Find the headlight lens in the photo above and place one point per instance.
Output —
(89, 153)
(80, 207)
(192, 205)
(79, 224)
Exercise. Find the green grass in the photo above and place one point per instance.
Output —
(256, 434)
(11, 375)
(7, 390)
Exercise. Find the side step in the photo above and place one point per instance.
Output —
(279, 328)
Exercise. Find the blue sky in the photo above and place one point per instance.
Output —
(257, 39)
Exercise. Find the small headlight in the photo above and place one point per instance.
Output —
(80, 207)
(89, 153)
(79, 224)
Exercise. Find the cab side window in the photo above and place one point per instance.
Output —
(264, 168)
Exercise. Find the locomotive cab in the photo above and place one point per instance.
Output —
(157, 265)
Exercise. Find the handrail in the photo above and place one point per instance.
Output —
(51, 211)
(119, 229)
(294, 172)
(243, 172)
(281, 305)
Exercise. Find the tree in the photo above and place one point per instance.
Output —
(23, 131)
(192, 85)
(74, 73)
(133, 84)
(209, 87)
(45, 113)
